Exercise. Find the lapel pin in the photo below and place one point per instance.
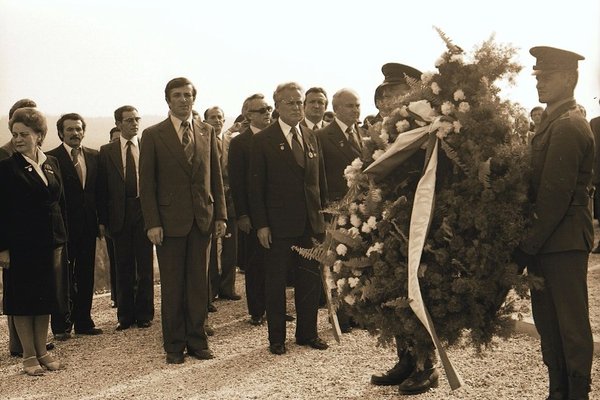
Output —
(281, 146)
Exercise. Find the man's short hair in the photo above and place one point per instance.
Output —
(255, 96)
(60, 124)
(212, 108)
(317, 89)
(119, 112)
(286, 86)
(113, 130)
(176, 83)
(21, 104)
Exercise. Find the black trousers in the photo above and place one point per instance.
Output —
(278, 260)
(82, 259)
(112, 259)
(134, 270)
(60, 321)
(222, 280)
(561, 314)
(255, 274)
(183, 265)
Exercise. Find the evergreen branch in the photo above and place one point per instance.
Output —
(343, 236)
(453, 155)
(484, 173)
(454, 49)
(357, 263)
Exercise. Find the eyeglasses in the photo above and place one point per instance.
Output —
(297, 103)
(132, 120)
(262, 110)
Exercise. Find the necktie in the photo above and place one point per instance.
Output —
(130, 172)
(75, 157)
(352, 139)
(297, 147)
(186, 140)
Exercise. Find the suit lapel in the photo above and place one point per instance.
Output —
(114, 152)
(29, 172)
(65, 161)
(173, 144)
(202, 144)
(281, 147)
(339, 141)
(90, 166)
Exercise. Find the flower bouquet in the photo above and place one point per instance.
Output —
(441, 167)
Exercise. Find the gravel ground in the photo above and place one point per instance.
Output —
(130, 364)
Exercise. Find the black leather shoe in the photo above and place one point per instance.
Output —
(62, 336)
(289, 318)
(316, 343)
(420, 381)
(203, 354)
(209, 330)
(144, 324)
(174, 358)
(256, 321)
(90, 332)
(16, 354)
(596, 250)
(230, 297)
(277, 348)
(212, 308)
(49, 346)
(122, 326)
(394, 376)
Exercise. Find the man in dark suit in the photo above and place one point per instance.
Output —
(287, 191)
(595, 125)
(315, 105)
(120, 216)
(258, 112)
(341, 143)
(79, 167)
(561, 236)
(183, 202)
(223, 251)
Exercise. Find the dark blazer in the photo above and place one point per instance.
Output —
(6, 150)
(284, 196)
(238, 163)
(32, 227)
(338, 153)
(595, 125)
(562, 157)
(81, 202)
(166, 178)
(111, 187)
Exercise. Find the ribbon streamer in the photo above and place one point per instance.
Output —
(405, 145)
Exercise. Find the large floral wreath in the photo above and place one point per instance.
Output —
(479, 212)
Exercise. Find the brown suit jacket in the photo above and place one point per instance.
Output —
(174, 194)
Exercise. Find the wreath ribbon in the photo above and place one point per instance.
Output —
(405, 145)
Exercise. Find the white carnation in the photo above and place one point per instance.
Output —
(447, 108)
(435, 88)
(350, 300)
(341, 249)
(377, 153)
(464, 107)
(355, 220)
(459, 95)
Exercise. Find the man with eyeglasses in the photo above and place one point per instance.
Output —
(183, 203)
(120, 216)
(287, 191)
(258, 113)
(314, 108)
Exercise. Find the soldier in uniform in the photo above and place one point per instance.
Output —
(394, 85)
(558, 244)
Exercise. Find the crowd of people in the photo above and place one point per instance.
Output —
(212, 201)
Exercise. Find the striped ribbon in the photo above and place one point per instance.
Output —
(405, 145)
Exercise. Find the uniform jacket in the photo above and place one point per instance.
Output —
(284, 196)
(174, 193)
(338, 153)
(81, 202)
(562, 157)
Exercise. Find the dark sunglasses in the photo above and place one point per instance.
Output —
(262, 110)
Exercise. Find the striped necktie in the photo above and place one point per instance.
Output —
(186, 141)
(297, 147)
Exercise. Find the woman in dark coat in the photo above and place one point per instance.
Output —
(32, 235)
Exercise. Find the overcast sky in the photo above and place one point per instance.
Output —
(94, 56)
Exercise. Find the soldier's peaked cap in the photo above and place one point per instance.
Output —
(553, 59)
